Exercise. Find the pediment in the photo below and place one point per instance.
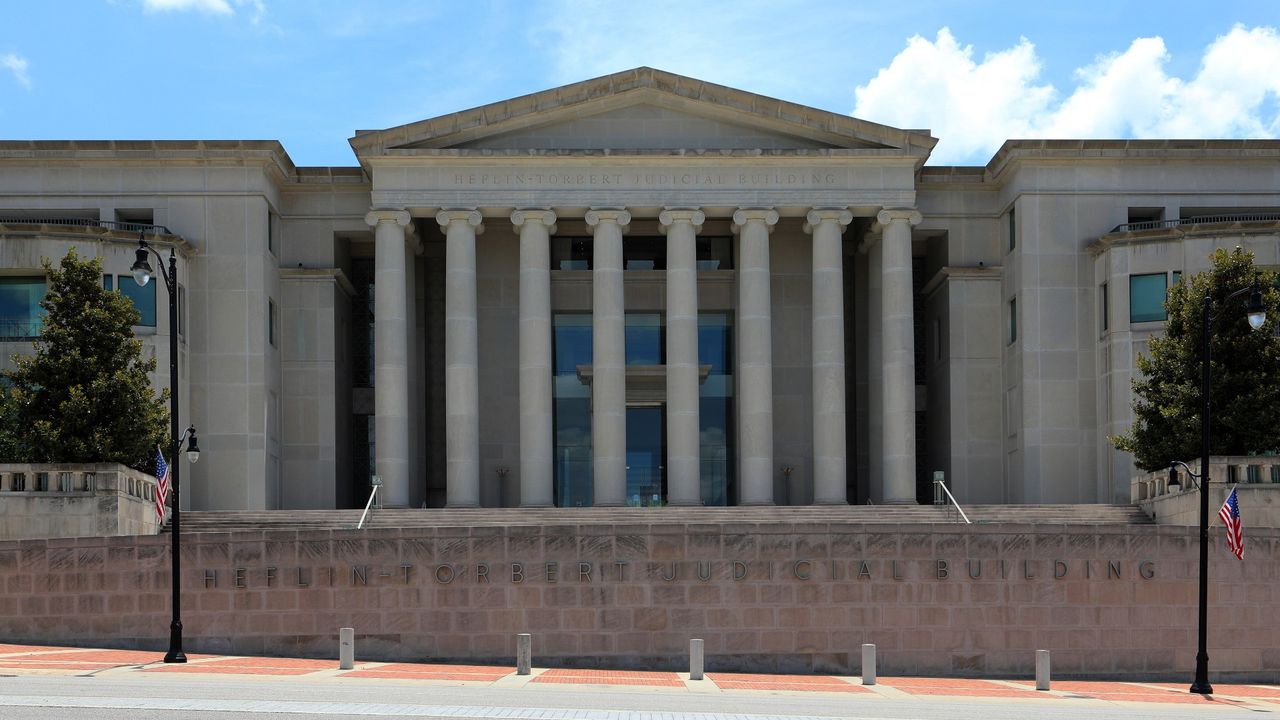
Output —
(641, 110)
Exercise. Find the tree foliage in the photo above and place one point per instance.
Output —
(84, 395)
(1244, 370)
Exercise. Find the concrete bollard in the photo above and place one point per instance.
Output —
(346, 648)
(695, 659)
(868, 664)
(1042, 669)
(524, 653)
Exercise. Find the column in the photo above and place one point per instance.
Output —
(461, 358)
(391, 354)
(413, 361)
(875, 374)
(536, 444)
(684, 457)
(897, 355)
(829, 459)
(608, 358)
(755, 356)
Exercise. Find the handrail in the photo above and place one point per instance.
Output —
(372, 493)
(88, 222)
(1197, 220)
(942, 484)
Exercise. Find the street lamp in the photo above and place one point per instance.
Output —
(142, 273)
(1257, 318)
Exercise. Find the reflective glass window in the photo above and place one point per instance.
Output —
(20, 312)
(1146, 297)
(715, 253)
(142, 296)
(571, 412)
(645, 333)
(571, 253)
(716, 408)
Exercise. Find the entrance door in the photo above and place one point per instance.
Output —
(646, 456)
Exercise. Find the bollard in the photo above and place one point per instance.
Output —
(1042, 669)
(868, 664)
(346, 648)
(695, 659)
(524, 653)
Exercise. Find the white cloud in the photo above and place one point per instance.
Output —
(974, 106)
(17, 65)
(212, 7)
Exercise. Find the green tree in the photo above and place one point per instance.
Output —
(1244, 368)
(84, 396)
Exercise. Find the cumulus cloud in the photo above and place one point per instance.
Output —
(17, 65)
(973, 105)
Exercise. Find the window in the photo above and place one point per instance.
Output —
(644, 339)
(271, 322)
(1106, 308)
(271, 232)
(182, 312)
(108, 283)
(715, 253)
(142, 296)
(644, 253)
(571, 253)
(18, 482)
(1013, 320)
(1013, 232)
(20, 313)
(42, 482)
(1177, 277)
(1146, 297)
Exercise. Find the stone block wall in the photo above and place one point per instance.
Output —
(56, 500)
(1115, 601)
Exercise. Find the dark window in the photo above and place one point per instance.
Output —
(715, 253)
(108, 282)
(1106, 308)
(1146, 297)
(142, 296)
(182, 311)
(271, 322)
(362, 326)
(645, 333)
(20, 312)
(571, 419)
(1013, 230)
(571, 253)
(1013, 320)
(644, 253)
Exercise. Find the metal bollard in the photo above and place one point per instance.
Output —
(695, 659)
(868, 664)
(346, 648)
(524, 653)
(1042, 669)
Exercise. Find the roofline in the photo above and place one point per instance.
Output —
(1015, 151)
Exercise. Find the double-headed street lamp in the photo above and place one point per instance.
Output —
(142, 273)
(1257, 318)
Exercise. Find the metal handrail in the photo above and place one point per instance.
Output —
(1197, 220)
(131, 227)
(942, 484)
(372, 494)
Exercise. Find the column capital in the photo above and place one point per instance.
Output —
(672, 215)
(618, 215)
(534, 215)
(377, 216)
(819, 215)
(910, 216)
(742, 216)
(470, 216)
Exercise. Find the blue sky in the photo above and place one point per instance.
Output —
(310, 73)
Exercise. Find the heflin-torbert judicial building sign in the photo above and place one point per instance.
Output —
(643, 311)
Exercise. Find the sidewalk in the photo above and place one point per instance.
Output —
(32, 660)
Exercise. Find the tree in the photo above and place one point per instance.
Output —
(1244, 371)
(84, 396)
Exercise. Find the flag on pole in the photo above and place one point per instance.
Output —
(1230, 514)
(162, 489)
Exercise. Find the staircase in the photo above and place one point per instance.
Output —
(211, 521)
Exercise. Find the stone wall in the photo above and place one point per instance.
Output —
(56, 500)
(1106, 600)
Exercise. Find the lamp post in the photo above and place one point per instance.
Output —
(142, 273)
(1257, 318)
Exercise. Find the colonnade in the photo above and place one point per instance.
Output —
(891, 320)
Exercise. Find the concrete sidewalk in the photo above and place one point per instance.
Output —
(32, 660)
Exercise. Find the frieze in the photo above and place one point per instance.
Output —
(645, 179)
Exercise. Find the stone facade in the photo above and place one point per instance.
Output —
(61, 501)
(1114, 601)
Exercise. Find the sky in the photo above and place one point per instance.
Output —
(311, 72)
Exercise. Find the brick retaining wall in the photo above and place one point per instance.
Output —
(786, 596)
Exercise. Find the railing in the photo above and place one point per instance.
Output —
(367, 506)
(941, 484)
(1242, 469)
(1197, 220)
(19, 329)
(131, 227)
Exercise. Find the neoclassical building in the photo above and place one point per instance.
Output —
(644, 289)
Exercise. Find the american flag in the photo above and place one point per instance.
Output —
(162, 491)
(1230, 514)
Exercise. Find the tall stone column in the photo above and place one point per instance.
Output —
(461, 358)
(536, 444)
(755, 355)
(897, 355)
(681, 226)
(391, 354)
(829, 458)
(608, 358)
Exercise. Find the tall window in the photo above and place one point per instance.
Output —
(1146, 297)
(1013, 230)
(1013, 320)
(1106, 308)
(571, 347)
(716, 409)
(271, 322)
(20, 313)
(362, 328)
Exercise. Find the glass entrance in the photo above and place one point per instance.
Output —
(646, 456)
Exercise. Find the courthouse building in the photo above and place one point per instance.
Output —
(644, 289)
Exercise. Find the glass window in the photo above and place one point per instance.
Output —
(20, 312)
(108, 282)
(644, 253)
(571, 347)
(1146, 297)
(182, 311)
(1106, 308)
(715, 408)
(1177, 277)
(143, 297)
(271, 232)
(570, 253)
(1013, 230)
(1013, 320)
(644, 339)
(271, 322)
(715, 253)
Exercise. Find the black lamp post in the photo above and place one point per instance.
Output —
(1257, 318)
(142, 273)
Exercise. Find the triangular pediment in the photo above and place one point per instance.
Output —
(641, 110)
